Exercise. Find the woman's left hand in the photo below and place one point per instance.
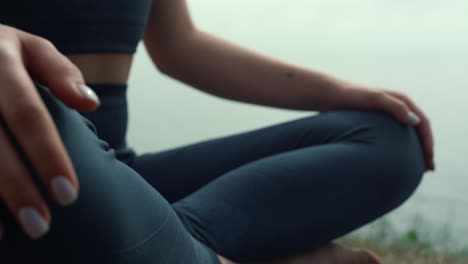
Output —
(396, 103)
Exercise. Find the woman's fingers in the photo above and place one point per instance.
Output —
(31, 125)
(425, 130)
(405, 111)
(29, 121)
(19, 193)
(47, 65)
(396, 107)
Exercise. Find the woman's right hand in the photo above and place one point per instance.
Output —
(25, 57)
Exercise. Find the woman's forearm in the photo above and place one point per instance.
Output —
(227, 70)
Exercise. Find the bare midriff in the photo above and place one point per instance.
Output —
(103, 67)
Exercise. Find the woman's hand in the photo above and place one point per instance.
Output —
(396, 103)
(23, 58)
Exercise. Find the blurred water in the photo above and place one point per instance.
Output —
(419, 47)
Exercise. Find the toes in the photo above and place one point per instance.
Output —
(369, 257)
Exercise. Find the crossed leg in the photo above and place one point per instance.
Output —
(289, 188)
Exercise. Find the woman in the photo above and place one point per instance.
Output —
(74, 192)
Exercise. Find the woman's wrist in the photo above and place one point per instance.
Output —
(334, 95)
(347, 94)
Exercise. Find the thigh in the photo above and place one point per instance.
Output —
(365, 165)
(177, 172)
(118, 217)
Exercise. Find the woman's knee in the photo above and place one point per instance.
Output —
(400, 154)
(394, 148)
(394, 152)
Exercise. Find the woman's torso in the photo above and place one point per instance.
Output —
(99, 36)
(103, 67)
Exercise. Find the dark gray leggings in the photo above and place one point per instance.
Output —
(257, 195)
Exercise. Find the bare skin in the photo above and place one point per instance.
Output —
(103, 67)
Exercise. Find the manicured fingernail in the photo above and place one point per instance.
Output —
(413, 118)
(87, 92)
(33, 223)
(64, 190)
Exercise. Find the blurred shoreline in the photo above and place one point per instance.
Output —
(419, 243)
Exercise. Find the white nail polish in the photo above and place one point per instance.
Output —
(64, 190)
(414, 119)
(33, 223)
(87, 92)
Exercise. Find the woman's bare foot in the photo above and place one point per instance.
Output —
(225, 260)
(332, 253)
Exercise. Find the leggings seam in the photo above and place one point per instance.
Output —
(143, 241)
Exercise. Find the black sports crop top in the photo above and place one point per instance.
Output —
(81, 26)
